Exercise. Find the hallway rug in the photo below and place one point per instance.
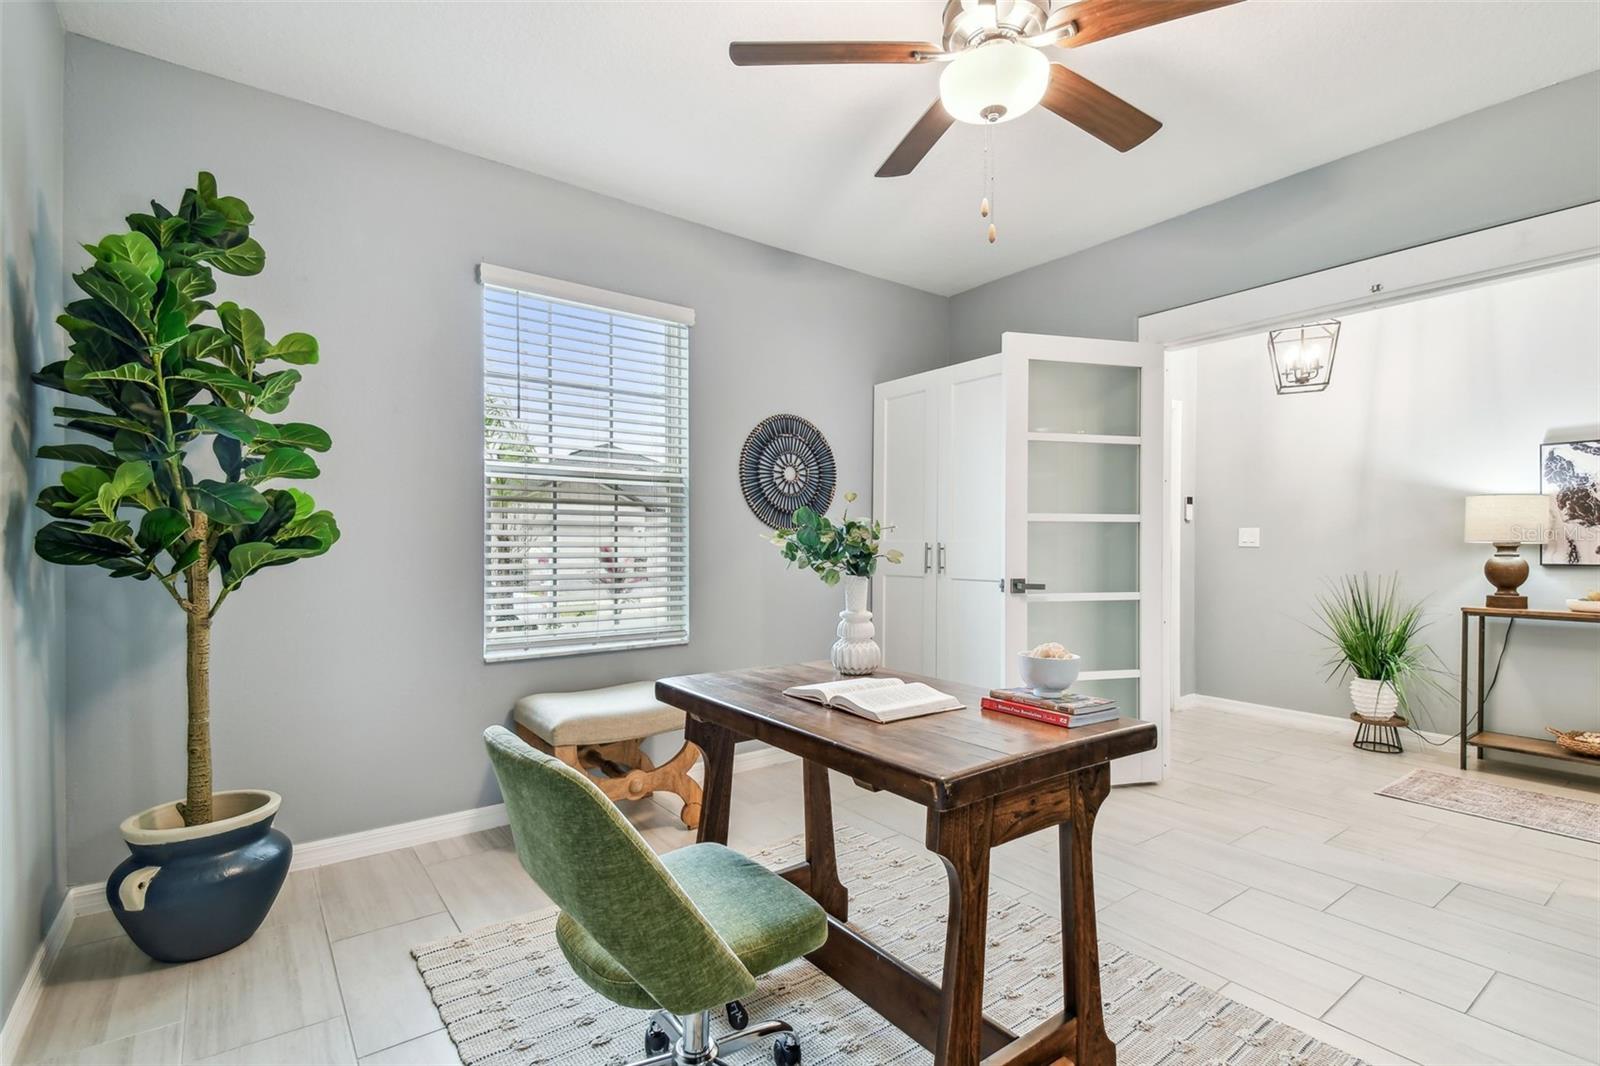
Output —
(507, 997)
(1500, 803)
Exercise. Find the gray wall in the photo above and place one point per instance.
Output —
(1431, 401)
(32, 600)
(353, 684)
(1537, 153)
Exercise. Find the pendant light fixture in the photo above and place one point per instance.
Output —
(1302, 356)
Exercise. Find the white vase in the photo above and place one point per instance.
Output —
(1375, 699)
(855, 652)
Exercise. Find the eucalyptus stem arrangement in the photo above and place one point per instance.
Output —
(834, 551)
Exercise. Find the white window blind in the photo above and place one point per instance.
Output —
(585, 469)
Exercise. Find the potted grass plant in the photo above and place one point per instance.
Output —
(178, 483)
(1375, 640)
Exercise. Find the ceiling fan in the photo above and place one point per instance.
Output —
(995, 70)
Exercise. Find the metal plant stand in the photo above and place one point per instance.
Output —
(1378, 734)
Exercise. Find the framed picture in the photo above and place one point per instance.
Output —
(1570, 471)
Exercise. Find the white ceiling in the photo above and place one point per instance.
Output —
(638, 100)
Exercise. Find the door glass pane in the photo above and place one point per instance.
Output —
(1084, 556)
(1125, 690)
(1105, 633)
(1076, 478)
(1083, 398)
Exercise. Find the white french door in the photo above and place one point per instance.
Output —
(905, 498)
(1083, 504)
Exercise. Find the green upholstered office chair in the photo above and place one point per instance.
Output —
(681, 934)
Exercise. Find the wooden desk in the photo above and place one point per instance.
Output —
(985, 779)
(1484, 739)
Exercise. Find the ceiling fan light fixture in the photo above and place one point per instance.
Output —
(994, 82)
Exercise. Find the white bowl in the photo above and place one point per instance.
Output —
(1048, 677)
(1585, 606)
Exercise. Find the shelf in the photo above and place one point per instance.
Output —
(1084, 438)
(1047, 516)
(1536, 615)
(1525, 746)
(1082, 597)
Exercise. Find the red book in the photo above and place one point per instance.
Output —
(1040, 714)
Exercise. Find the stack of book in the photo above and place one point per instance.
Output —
(1068, 710)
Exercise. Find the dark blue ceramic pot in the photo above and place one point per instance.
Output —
(188, 892)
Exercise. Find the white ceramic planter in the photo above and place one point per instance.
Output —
(855, 652)
(1375, 699)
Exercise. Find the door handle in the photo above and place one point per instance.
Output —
(927, 557)
(1021, 585)
(941, 558)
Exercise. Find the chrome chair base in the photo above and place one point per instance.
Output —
(693, 1044)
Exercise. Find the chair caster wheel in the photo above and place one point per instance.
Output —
(656, 1039)
(738, 1017)
(786, 1050)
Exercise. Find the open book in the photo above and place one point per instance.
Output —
(881, 699)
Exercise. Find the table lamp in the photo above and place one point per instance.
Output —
(1507, 521)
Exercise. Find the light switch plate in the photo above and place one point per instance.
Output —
(1249, 536)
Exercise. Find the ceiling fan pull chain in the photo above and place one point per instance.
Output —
(990, 201)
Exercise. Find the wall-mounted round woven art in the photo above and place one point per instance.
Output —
(786, 464)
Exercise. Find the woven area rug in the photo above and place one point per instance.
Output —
(1501, 803)
(508, 999)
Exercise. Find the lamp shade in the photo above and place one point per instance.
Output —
(994, 82)
(1508, 519)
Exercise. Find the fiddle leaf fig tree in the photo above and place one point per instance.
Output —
(181, 481)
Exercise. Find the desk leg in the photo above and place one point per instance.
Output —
(1080, 945)
(825, 886)
(716, 744)
(961, 838)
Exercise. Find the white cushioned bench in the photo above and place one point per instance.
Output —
(600, 730)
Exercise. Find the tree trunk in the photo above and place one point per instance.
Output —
(197, 805)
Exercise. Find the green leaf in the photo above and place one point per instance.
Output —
(110, 292)
(312, 535)
(242, 260)
(297, 348)
(230, 455)
(303, 503)
(294, 435)
(246, 559)
(161, 528)
(71, 545)
(207, 342)
(131, 479)
(56, 500)
(126, 372)
(79, 453)
(232, 503)
(282, 462)
(106, 499)
(226, 420)
(80, 418)
(111, 530)
(134, 249)
(217, 378)
(133, 279)
(84, 481)
(275, 390)
(244, 326)
(185, 556)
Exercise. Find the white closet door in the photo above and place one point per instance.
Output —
(1084, 518)
(904, 480)
(969, 559)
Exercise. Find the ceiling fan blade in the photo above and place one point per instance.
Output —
(1096, 111)
(789, 53)
(1099, 19)
(923, 136)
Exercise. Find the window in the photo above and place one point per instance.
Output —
(585, 468)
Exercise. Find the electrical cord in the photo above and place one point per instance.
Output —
(1493, 680)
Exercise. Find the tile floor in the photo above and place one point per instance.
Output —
(1263, 866)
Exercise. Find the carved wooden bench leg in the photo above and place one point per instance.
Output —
(625, 772)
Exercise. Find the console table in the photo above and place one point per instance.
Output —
(1483, 739)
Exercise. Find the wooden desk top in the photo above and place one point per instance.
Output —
(1533, 613)
(939, 760)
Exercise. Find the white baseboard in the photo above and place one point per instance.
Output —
(1195, 700)
(761, 758)
(28, 996)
